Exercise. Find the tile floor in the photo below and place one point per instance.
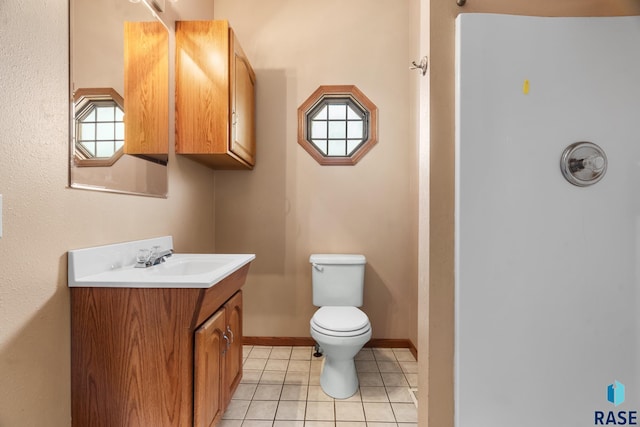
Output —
(281, 388)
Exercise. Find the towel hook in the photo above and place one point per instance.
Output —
(423, 65)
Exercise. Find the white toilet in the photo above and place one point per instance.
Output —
(338, 326)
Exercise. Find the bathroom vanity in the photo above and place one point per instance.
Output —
(155, 355)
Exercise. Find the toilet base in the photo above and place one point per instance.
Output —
(339, 378)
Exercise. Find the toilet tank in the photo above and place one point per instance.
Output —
(337, 279)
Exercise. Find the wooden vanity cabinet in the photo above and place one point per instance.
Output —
(155, 357)
(215, 96)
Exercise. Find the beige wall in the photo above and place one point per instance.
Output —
(437, 369)
(289, 206)
(42, 219)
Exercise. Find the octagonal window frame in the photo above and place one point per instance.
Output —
(356, 102)
(85, 100)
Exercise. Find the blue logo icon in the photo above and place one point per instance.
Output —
(615, 393)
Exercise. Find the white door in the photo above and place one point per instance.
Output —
(547, 272)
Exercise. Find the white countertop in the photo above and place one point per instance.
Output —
(113, 266)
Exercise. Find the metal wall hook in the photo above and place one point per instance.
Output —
(423, 65)
(461, 2)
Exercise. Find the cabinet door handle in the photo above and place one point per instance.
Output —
(230, 333)
(228, 343)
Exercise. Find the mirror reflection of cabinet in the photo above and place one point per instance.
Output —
(215, 96)
(146, 89)
(97, 46)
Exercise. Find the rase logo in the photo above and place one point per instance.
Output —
(616, 396)
(615, 393)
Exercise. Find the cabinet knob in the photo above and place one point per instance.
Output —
(230, 333)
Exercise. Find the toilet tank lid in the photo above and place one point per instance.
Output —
(337, 259)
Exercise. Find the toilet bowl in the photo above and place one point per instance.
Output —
(340, 331)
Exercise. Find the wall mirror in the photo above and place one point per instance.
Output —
(119, 84)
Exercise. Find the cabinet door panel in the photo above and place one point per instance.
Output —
(243, 139)
(209, 361)
(233, 358)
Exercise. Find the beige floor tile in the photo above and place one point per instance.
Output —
(268, 392)
(294, 392)
(250, 376)
(316, 394)
(276, 365)
(394, 379)
(412, 379)
(320, 411)
(254, 364)
(260, 352)
(300, 378)
(370, 379)
(374, 411)
(409, 367)
(404, 355)
(384, 354)
(236, 410)
(316, 366)
(291, 410)
(287, 423)
(319, 424)
(355, 398)
(261, 410)
(365, 354)
(301, 353)
(374, 394)
(244, 391)
(280, 353)
(405, 412)
(257, 423)
(292, 375)
(314, 378)
(272, 377)
(349, 411)
(299, 366)
(367, 366)
(370, 424)
(399, 394)
(389, 367)
(230, 423)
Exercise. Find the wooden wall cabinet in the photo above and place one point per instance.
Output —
(155, 357)
(215, 96)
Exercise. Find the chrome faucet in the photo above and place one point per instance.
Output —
(151, 257)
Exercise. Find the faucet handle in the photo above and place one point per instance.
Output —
(143, 255)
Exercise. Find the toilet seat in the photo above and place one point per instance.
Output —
(340, 321)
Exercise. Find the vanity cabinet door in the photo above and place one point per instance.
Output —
(210, 349)
(233, 357)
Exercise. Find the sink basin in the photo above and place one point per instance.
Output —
(114, 266)
(189, 265)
